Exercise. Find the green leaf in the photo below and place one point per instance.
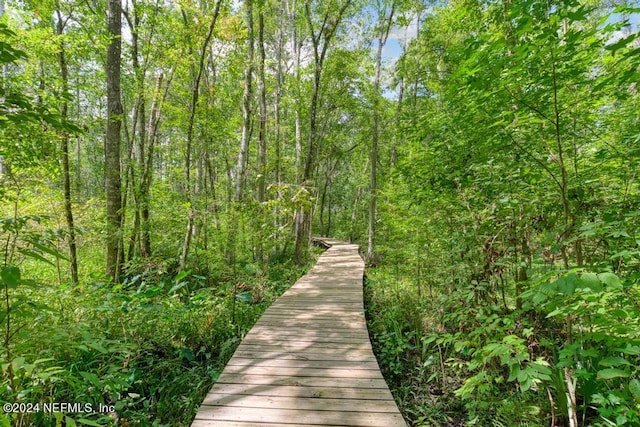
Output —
(31, 254)
(590, 281)
(556, 312)
(634, 388)
(567, 284)
(244, 297)
(614, 361)
(633, 350)
(177, 287)
(514, 371)
(610, 373)
(186, 353)
(181, 275)
(51, 251)
(91, 378)
(70, 422)
(10, 276)
(611, 280)
(526, 385)
(622, 43)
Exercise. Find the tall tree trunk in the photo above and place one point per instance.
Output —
(277, 213)
(397, 134)
(147, 164)
(246, 104)
(384, 25)
(66, 176)
(186, 243)
(243, 155)
(262, 130)
(320, 40)
(564, 182)
(262, 133)
(137, 137)
(296, 46)
(112, 143)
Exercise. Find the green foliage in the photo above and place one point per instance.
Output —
(151, 347)
(511, 219)
(148, 349)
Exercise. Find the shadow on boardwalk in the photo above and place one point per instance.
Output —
(308, 361)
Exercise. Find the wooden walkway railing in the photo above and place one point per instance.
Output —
(308, 360)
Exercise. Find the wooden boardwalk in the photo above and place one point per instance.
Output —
(308, 361)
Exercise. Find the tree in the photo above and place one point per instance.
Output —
(385, 14)
(64, 145)
(246, 103)
(195, 95)
(322, 24)
(113, 187)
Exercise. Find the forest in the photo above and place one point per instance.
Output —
(164, 164)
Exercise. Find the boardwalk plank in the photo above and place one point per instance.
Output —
(279, 340)
(301, 381)
(295, 391)
(301, 403)
(297, 363)
(301, 346)
(332, 355)
(265, 331)
(277, 371)
(301, 416)
(207, 423)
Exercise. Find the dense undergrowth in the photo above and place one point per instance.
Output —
(140, 353)
(456, 355)
(508, 292)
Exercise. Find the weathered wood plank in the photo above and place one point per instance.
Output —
(330, 355)
(296, 391)
(301, 345)
(301, 381)
(207, 423)
(305, 403)
(321, 335)
(269, 415)
(290, 372)
(298, 346)
(297, 363)
(317, 324)
(284, 339)
(263, 330)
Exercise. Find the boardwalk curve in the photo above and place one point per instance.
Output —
(308, 360)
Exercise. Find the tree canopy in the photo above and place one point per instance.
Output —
(163, 166)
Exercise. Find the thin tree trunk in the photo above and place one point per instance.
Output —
(354, 210)
(113, 188)
(321, 40)
(246, 105)
(186, 243)
(384, 24)
(147, 166)
(394, 149)
(137, 137)
(277, 215)
(246, 134)
(564, 184)
(66, 175)
(262, 132)
(296, 46)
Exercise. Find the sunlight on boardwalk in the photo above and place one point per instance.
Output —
(308, 361)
